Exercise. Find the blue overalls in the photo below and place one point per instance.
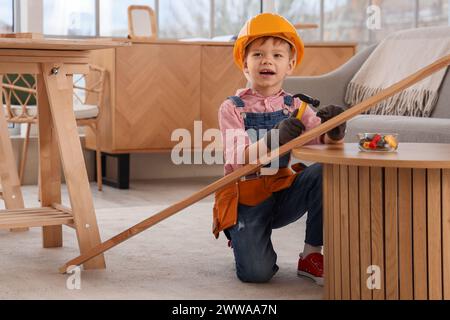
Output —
(251, 236)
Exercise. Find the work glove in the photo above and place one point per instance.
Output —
(328, 112)
(289, 128)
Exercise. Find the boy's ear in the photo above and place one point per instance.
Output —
(291, 66)
(245, 69)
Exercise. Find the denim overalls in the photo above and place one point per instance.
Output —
(251, 236)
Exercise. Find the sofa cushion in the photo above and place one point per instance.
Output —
(409, 129)
(442, 108)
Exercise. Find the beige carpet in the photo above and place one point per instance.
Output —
(177, 259)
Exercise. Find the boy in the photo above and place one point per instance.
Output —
(267, 50)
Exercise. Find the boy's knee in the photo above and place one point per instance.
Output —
(256, 274)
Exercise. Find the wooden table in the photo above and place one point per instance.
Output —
(54, 62)
(391, 210)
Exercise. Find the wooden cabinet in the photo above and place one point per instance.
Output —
(156, 87)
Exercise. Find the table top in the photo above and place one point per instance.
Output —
(408, 155)
(60, 44)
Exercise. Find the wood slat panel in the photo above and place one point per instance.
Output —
(405, 234)
(327, 194)
(377, 227)
(353, 205)
(391, 233)
(446, 232)
(419, 234)
(364, 227)
(337, 233)
(434, 234)
(345, 254)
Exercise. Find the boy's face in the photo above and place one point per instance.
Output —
(268, 62)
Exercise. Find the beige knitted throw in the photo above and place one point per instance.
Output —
(395, 58)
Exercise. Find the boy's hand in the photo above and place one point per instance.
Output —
(328, 112)
(289, 129)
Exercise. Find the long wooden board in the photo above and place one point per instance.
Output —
(250, 168)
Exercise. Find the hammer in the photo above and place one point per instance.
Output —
(305, 101)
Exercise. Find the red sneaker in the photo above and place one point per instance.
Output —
(311, 267)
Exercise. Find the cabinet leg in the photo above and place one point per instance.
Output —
(123, 171)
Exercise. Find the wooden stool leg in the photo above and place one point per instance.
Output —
(49, 166)
(98, 156)
(12, 194)
(23, 159)
(59, 89)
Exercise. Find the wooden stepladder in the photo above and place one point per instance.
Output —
(53, 62)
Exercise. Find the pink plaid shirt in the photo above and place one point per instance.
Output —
(230, 119)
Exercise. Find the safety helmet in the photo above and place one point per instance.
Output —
(266, 24)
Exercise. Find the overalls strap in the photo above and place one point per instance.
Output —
(238, 102)
(288, 100)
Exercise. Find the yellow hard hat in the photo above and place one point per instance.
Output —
(267, 24)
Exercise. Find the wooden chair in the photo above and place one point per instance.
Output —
(88, 101)
(141, 23)
(19, 96)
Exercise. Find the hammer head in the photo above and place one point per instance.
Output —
(309, 100)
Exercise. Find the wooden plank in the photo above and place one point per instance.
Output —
(405, 236)
(434, 234)
(420, 234)
(364, 230)
(355, 278)
(36, 223)
(344, 216)
(44, 53)
(35, 218)
(391, 233)
(11, 191)
(27, 35)
(327, 202)
(6, 67)
(31, 59)
(250, 168)
(59, 89)
(446, 232)
(337, 234)
(377, 227)
(61, 44)
(49, 165)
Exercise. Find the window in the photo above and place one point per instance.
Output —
(230, 15)
(395, 15)
(301, 11)
(433, 13)
(6, 16)
(114, 16)
(345, 20)
(71, 18)
(184, 18)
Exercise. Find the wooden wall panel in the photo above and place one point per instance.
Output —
(157, 92)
